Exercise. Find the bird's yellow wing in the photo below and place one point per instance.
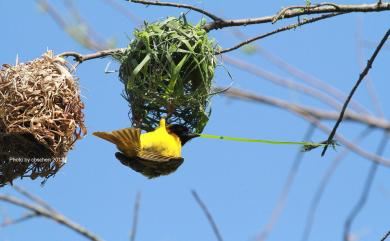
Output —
(127, 140)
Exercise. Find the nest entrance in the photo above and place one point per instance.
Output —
(21, 155)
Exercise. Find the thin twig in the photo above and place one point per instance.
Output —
(386, 236)
(310, 118)
(365, 192)
(208, 215)
(361, 77)
(371, 44)
(85, 40)
(135, 216)
(309, 79)
(323, 184)
(50, 215)
(299, 11)
(369, 82)
(32, 197)
(239, 64)
(303, 110)
(278, 209)
(374, 166)
(282, 12)
(23, 218)
(100, 54)
(286, 83)
(178, 5)
(124, 11)
(90, 34)
(285, 28)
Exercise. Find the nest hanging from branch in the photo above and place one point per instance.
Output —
(40, 117)
(167, 71)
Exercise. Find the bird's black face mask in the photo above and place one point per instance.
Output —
(182, 132)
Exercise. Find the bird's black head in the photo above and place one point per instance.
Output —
(182, 132)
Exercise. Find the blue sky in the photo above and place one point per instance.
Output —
(239, 182)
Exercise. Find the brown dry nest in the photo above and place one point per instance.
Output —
(40, 117)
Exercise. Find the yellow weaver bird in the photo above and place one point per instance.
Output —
(153, 153)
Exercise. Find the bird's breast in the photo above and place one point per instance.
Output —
(161, 143)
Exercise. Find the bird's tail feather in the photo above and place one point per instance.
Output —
(127, 140)
(107, 136)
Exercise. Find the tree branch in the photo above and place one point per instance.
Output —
(323, 184)
(309, 117)
(294, 71)
(365, 192)
(286, 83)
(84, 39)
(100, 54)
(285, 28)
(90, 33)
(40, 211)
(32, 197)
(23, 218)
(303, 110)
(386, 236)
(371, 91)
(135, 216)
(295, 11)
(361, 77)
(282, 199)
(115, 4)
(178, 5)
(208, 215)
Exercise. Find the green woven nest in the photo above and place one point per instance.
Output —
(167, 71)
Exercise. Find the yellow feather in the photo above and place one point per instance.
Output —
(155, 143)
(127, 140)
(161, 142)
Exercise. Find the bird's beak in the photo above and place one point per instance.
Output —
(188, 136)
(192, 135)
